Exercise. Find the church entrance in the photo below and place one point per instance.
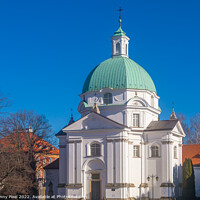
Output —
(95, 187)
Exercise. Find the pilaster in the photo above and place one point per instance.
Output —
(167, 186)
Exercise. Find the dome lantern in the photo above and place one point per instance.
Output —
(120, 42)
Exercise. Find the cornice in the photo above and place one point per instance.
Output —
(119, 185)
(144, 185)
(167, 185)
(118, 140)
(76, 185)
(167, 142)
(144, 143)
(74, 141)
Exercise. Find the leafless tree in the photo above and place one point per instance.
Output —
(4, 103)
(191, 128)
(23, 133)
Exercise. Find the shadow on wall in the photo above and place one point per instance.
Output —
(177, 180)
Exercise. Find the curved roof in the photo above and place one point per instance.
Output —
(118, 73)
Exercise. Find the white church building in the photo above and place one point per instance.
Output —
(119, 149)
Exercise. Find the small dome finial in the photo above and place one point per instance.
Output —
(71, 119)
(120, 18)
(173, 115)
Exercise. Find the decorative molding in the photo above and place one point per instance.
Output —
(118, 140)
(76, 185)
(144, 143)
(62, 146)
(111, 185)
(144, 185)
(130, 142)
(167, 142)
(61, 185)
(180, 145)
(167, 185)
(74, 141)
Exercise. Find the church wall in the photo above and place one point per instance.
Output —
(177, 164)
(156, 165)
(52, 175)
(88, 138)
(115, 114)
(197, 180)
(120, 96)
(145, 117)
(79, 150)
(117, 164)
(125, 115)
(146, 95)
(62, 160)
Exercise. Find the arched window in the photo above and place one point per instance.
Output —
(107, 98)
(118, 48)
(95, 149)
(175, 152)
(126, 49)
(154, 151)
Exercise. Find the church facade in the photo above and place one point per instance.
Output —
(119, 149)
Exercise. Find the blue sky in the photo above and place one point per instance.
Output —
(47, 49)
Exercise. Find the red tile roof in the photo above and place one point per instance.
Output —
(191, 151)
(41, 146)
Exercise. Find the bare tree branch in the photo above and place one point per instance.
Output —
(191, 128)
(23, 133)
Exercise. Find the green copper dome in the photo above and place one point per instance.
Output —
(118, 73)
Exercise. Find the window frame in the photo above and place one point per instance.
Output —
(118, 51)
(136, 151)
(154, 152)
(96, 150)
(136, 121)
(175, 152)
(107, 100)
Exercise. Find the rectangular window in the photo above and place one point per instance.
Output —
(154, 151)
(135, 120)
(136, 151)
(175, 152)
(95, 149)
